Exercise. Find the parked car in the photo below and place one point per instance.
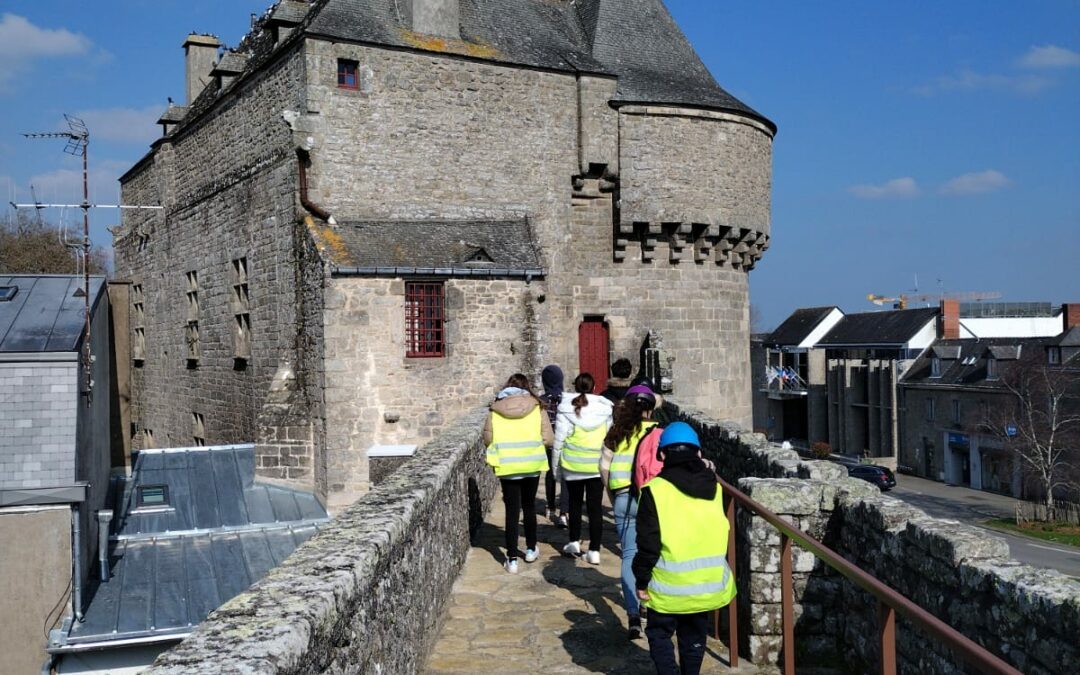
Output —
(880, 476)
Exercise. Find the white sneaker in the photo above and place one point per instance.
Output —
(573, 548)
(593, 557)
(511, 566)
(531, 554)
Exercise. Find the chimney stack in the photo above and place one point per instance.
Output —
(1070, 313)
(200, 54)
(441, 18)
(949, 320)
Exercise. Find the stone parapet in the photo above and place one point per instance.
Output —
(965, 577)
(367, 594)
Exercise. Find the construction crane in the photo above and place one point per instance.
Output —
(904, 300)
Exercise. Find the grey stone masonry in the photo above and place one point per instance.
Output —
(366, 594)
(1027, 616)
(38, 424)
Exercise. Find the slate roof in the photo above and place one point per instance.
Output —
(458, 247)
(636, 40)
(45, 315)
(969, 366)
(171, 568)
(798, 326)
(1070, 338)
(878, 328)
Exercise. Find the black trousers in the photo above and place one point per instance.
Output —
(519, 496)
(692, 631)
(591, 491)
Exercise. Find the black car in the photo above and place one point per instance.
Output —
(872, 473)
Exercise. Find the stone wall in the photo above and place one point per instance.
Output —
(377, 395)
(366, 594)
(1027, 616)
(227, 181)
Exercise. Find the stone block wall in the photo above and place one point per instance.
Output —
(1025, 615)
(37, 429)
(227, 181)
(377, 395)
(367, 593)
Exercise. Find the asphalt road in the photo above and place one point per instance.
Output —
(974, 507)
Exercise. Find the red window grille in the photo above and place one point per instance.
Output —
(346, 74)
(425, 335)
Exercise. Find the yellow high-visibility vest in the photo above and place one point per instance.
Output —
(692, 574)
(622, 461)
(581, 452)
(517, 445)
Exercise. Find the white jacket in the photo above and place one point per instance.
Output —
(596, 413)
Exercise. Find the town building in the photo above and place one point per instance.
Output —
(961, 405)
(55, 450)
(375, 212)
(836, 379)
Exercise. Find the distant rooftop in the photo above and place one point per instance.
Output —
(995, 310)
(878, 328)
(798, 326)
(43, 312)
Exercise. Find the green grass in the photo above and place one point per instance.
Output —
(1059, 533)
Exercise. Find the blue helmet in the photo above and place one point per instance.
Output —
(679, 433)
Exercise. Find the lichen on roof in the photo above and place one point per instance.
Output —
(432, 43)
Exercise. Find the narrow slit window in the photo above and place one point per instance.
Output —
(425, 322)
(193, 343)
(241, 305)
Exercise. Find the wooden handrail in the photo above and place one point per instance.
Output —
(890, 602)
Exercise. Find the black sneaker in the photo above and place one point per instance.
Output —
(634, 632)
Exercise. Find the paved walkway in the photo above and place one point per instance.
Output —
(557, 615)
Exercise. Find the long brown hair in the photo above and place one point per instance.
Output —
(627, 417)
(583, 384)
(521, 382)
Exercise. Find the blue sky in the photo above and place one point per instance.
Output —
(929, 139)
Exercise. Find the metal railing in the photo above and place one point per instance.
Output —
(889, 601)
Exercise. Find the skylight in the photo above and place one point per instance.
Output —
(8, 292)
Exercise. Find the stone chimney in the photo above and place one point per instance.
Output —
(949, 326)
(1070, 313)
(441, 18)
(200, 54)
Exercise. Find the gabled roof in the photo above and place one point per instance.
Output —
(171, 567)
(890, 328)
(637, 41)
(798, 326)
(47, 312)
(450, 246)
(969, 368)
(1070, 338)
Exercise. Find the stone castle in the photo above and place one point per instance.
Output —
(376, 210)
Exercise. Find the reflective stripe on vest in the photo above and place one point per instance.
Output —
(581, 452)
(692, 574)
(622, 462)
(517, 445)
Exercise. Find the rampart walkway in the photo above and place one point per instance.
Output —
(558, 615)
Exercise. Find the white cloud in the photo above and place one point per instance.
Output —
(893, 189)
(65, 185)
(979, 182)
(969, 80)
(1050, 56)
(122, 125)
(21, 42)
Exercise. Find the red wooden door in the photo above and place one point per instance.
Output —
(593, 350)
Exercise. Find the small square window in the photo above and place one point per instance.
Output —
(347, 77)
(7, 293)
(152, 495)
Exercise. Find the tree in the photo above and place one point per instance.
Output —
(29, 245)
(1041, 426)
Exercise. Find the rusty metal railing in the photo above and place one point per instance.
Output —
(889, 601)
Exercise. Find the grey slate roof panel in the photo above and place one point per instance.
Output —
(879, 328)
(798, 326)
(438, 244)
(969, 368)
(171, 569)
(45, 315)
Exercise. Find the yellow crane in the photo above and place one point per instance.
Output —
(903, 300)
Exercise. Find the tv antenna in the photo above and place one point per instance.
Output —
(78, 142)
